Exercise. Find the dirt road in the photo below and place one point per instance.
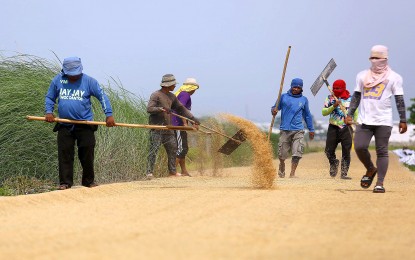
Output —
(311, 217)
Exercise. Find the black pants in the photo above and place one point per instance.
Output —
(336, 135)
(85, 139)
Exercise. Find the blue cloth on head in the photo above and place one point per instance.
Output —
(72, 66)
(297, 82)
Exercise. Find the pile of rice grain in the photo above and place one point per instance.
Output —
(263, 173)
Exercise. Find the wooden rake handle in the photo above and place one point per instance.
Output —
(157, 127)
(210, 129)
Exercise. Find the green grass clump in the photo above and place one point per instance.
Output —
(29, 149)
(26, 148)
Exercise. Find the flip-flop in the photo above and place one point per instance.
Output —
(366, 180)
(379, 189)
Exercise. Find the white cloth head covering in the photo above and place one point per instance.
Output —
(379, 71)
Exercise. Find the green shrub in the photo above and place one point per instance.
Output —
(28, 148)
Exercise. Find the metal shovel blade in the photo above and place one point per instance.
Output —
(324, 75)
(231, 145)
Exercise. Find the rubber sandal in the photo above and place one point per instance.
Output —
(367, 180)
(379, 189)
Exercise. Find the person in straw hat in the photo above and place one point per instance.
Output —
(373, 93)
(159, 107)
(184, 94)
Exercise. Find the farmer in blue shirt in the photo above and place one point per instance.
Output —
(294, 108)
(73, 90)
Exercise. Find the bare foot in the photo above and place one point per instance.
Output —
(174, 174)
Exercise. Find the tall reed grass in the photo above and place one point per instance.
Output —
(28, 149)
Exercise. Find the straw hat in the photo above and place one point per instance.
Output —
(191, 81)
(168, 80)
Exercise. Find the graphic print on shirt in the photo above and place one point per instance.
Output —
(376, 92)
(71, 94)
(337, 116)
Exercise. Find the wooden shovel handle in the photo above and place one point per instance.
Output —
(343, 109)
(280, 91)
(157, 127)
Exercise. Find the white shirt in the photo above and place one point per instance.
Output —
(375, 104)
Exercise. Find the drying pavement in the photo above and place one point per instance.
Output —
(200, 217)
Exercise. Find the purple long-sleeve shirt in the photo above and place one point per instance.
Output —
(185, 99)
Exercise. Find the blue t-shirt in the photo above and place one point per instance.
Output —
(74, 98)
(294, 108)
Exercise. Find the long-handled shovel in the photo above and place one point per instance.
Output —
(229, 146)
(157, 127)
(279, 94)
(322, 79)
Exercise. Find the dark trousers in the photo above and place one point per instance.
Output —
(85, 139)
(336, 135)
(157, 138)
(363, 135)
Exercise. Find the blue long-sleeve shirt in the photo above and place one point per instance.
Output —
(293, 110)
(74, 98)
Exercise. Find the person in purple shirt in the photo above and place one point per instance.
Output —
(184, 95)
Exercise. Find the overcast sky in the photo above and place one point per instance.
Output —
(234, 48)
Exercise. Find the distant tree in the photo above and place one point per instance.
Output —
(411, 110)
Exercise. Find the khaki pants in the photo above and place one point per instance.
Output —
(291, 141)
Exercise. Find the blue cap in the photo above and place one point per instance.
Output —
(72, 66)
(297, 82)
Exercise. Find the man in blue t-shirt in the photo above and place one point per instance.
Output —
(294, 108)
(72, 90)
